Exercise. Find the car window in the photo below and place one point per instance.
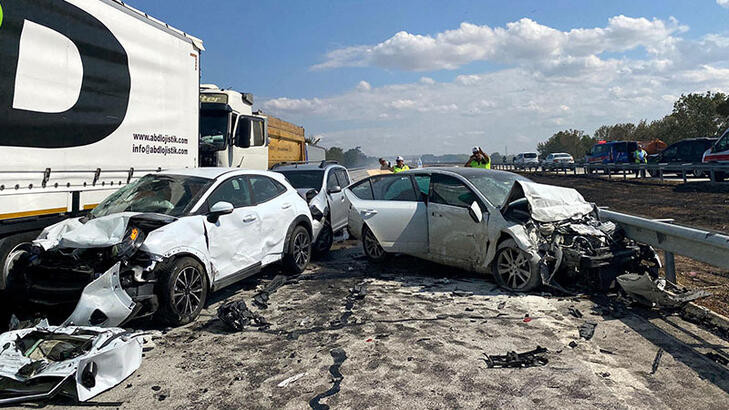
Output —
(393, 188)
(670, 152)
(234, 190)
(342, 177)
(304, 179)
(332, 181)
(449, 190)
(422, 183)
(722, 144)
(362, 190)
(684, 151)
(265, 188)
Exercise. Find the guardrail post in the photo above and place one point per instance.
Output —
(625, 175)
(683, 174)
(660, 174)
(713, 177)
(670, 267)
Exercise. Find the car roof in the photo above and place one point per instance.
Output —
(212, 172)
(462, 171)
(308, 166)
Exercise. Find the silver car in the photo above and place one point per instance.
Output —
(525, 234)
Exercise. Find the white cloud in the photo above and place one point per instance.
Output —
(723, 3)
(550, 80)
(522, 42)
(364, 86)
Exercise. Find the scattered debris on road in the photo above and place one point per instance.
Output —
(574, 312)
(531, 358)
(237, 316)
(587, 330)
(40, 362)
(291, 379)
(261, 298)
(657, 361)
(717, 358)
(658, 292)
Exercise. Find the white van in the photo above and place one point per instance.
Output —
(526, 159)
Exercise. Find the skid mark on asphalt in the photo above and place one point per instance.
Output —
(339, 356)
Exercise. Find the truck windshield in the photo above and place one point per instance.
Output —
(530, 155)
(213, 128)
(305, 179)
(163, 194)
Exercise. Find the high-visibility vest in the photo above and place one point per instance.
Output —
(484, 165)
(638, 154)
(397, 169)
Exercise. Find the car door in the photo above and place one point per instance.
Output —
(276, 211)
(233, 238)
(389, 206)
(337, 206)
(454, 237)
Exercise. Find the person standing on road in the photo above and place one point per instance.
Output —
(385, 165)
(478, 159)
(641, 157)
(400, 165)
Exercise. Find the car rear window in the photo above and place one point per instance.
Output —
(304, 179)
(530, 155)
(393, 188)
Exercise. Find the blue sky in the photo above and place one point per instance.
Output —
(272, 49)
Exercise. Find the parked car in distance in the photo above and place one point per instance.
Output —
(611, 152)
(718, 154)
(526, 159)
(321, 184)
(525, 234)
(163, 243)
(684, 152)
(558, 158)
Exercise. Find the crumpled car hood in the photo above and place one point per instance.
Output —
(549, 203)
(95, 233)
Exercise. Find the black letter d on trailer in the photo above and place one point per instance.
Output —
(104, 95)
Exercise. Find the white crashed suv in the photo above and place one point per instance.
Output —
(322, 185)
(163, 243)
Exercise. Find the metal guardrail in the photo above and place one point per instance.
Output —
(716, 172)
(704, 246)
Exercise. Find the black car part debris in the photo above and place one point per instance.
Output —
(531, 358)
(587, 330)
(339, 356)
(657, 361)
(574, 312)
(261, 298)
(717, 358)
(237, 316)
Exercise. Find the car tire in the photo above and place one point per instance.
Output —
(371, 246)
(324, 241)
(183, 290)
(298, 255)
(514, 269)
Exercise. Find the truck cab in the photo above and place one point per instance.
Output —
(230, 134)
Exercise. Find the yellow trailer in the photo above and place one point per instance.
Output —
(286, 142)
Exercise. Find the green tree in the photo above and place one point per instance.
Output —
(354, 157)
(574, 142)
(335, 154)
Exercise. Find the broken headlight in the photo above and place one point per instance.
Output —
(133, 239)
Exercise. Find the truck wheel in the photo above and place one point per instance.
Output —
(11, 249)
(183, 290)
(324, 242)
(513, 268)
(299, 250)
(371, 246)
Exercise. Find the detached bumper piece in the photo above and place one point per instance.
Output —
(41, 362)
(657, 292)
(536, 357)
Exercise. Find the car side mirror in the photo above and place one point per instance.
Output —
(475, 212)
(310, 194)
(220, 208)
(335, 189)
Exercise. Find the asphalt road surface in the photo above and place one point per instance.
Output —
(418, 339)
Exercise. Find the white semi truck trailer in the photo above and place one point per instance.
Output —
(93, 94)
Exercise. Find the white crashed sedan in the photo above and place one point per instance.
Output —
(164, 242)
(525, 234)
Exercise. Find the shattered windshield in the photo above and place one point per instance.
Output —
(495, 187)
(305, 179)
(163, 194)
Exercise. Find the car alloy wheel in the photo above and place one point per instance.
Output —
(188, 291)
(513, 267)
(372, 246)
(302, 250)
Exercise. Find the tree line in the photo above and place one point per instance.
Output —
(694, 115)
